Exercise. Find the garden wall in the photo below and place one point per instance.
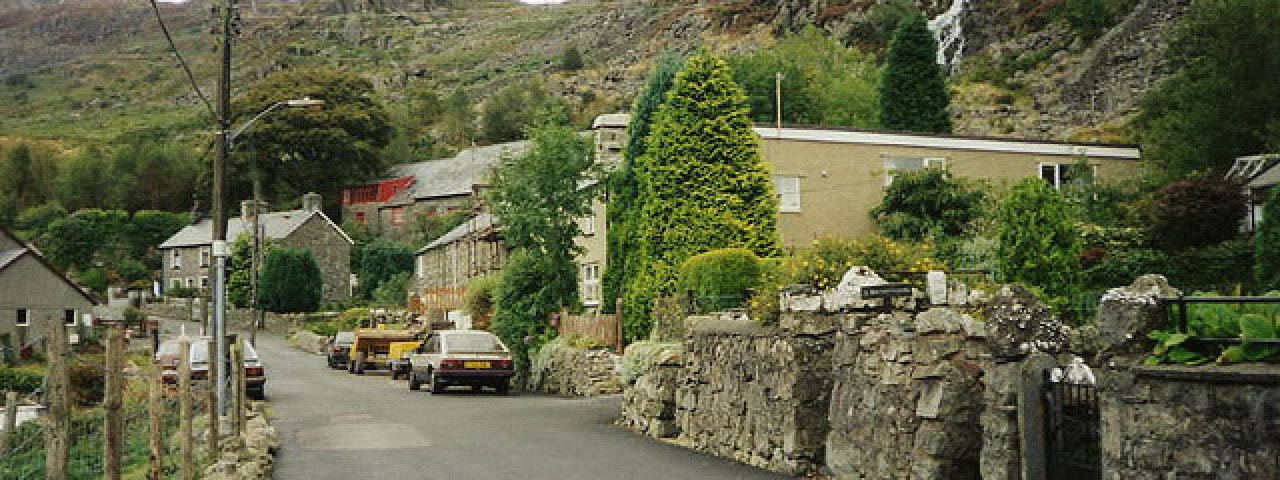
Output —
(1193, 423)
(562, 369)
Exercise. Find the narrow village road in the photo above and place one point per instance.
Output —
(335, 425)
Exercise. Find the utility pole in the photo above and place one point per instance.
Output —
(777, 92)
(225, 28)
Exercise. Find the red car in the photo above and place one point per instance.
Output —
(255, 376)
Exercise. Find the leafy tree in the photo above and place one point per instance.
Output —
(1195, 212)
(240, 269)
(922, 205)
(36, 220)
(823, 81)
(913, 92)
(85, 238)
(1039, 240)
(152, 175)
(1266, 264)
(86, 182)
(457, 121)
(702, 181)
(571, 59)
(313, 149)
(393, 290)
(623, 212)
(379, 261)
(431, 227)
(290, 281)
(1221, 102)
(147, 229)
(507, 113)
(26, 178)
(526, 299)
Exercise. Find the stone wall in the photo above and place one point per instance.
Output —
(651, 371)
(1193, 423)
(562, 369)
(907, 396)
(757, 395)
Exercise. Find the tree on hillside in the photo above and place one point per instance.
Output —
(824, 82)
(148, 174)
(623, 211)
(913, 91)
(457, 120)
(290, 281)
(703, 184)
(1039, 241)
(1221, 102)
(26, 179)
(86, 181)
(312, 149)
(571, 59)
(507, 113)
(538, 197)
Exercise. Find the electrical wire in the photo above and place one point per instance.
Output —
(181, 61)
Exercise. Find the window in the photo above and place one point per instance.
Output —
(590, 285)
(177, 259)
(69, 317)
(191, 282)
(23, 319)
(397, 216)
(788, 190)
(205, 256)
(360, 218)
(587, 225)
(909, 164)
(204, 282)
(1061, 174)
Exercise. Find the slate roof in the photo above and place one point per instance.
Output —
(611, 120)
(478, 223)
(275, 226)
(8, 256)
(1256, 170)
(453, 176)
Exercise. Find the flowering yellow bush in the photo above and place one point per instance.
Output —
(823, 264)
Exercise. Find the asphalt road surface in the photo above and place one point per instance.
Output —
(336, 425)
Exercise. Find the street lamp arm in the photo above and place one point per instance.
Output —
(303, 102)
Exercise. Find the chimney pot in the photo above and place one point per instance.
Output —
(311, 202)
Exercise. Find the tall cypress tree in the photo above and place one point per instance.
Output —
(913, 92)
(702, 182)
(623, 209)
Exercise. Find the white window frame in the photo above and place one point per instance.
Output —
(206, 257)
(587, 225)
(788, 199)
(204, 281)
(176, 261)
(23, 317)
(925, 162)
(1058, 169)
(69, 314)
(590, 284)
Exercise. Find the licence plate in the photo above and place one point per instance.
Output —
(475, 364)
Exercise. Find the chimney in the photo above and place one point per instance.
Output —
(247, 212)
(311, 202)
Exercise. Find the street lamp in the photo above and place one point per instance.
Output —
(220, 250)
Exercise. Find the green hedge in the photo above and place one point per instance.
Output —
(720, 279)
(19, 380)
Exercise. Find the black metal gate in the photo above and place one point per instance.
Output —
(1072, 426)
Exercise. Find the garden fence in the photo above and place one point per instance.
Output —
(604, 328)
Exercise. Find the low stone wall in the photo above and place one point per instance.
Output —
(561, 369)
(651, 372)
(757, 395)
(240, 319)
(907, 397)
(1193, 423)
(252, 455)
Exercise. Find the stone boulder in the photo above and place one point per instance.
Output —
(1127, 314)
(848, 294)
(1018, 323)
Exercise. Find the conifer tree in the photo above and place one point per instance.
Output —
(913, 92)
(623, 210)
(703, 185)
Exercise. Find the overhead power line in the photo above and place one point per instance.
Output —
(181, 61)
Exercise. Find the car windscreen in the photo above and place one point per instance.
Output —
(200, 352)
(344, 337)
(473, 342)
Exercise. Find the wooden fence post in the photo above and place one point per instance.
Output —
(155, 408)
(58, 434)
(237, 389)
(215, 418)
(10, 422)
(113, 426)
(186, 442)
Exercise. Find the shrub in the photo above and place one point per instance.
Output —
(826, 262)
(480, 295)
(1039, 239)
(925, 204)
(380, 260)
(1195, 212)
(1266, 256)
(88, 381)
(393, 290)
(525, 301)
(571, 59)
(721, 278)
(20, 381)
(291, 281)
(1122, 267)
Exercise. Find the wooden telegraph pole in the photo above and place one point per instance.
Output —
(58, 434)
(155, 406)
(187, 445)
(114, 423)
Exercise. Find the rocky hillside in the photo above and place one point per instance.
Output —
(94, 68)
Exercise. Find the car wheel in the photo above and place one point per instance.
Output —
(503, 387)
(360, 364)
(414, 384)
(436, 385)
(257, 393)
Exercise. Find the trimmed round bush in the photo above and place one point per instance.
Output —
(720, 279)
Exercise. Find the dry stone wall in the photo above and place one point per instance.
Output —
(757, 395)
(651, 371)
(562, 369)
(908, 396)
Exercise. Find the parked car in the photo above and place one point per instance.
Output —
(371, 348)
(339, 349)
(167, 356)
(461, 357)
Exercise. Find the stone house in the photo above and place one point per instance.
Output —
(187, 254)
(33, 293)
(393, 208)
(609, 132)
(445, 266)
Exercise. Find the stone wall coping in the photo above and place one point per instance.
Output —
(1255, 374)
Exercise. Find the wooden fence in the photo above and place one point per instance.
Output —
(605, 328)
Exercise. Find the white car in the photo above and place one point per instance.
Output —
(461, 357)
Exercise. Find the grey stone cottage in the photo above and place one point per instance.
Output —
(187, 255)
(33, 294)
